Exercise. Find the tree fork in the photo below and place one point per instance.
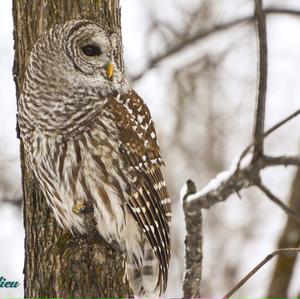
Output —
(58, 264)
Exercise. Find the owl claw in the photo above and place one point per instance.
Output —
(82, 207)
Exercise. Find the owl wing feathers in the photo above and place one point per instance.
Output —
(148, 201)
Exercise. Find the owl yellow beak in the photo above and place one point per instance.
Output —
(109, 70)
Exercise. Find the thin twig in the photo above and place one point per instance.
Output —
(258, 132)
(281, 123)
(259, 266)
(295, 215)
(267, 133)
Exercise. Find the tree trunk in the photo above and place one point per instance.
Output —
(290, 237)
(58, 264)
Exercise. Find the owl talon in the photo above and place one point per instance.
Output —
(82, 207)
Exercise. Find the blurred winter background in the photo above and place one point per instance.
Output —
(202, 98)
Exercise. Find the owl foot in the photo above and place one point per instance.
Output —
(82, 207)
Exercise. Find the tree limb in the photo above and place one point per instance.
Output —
(262, 88)
(240, 175)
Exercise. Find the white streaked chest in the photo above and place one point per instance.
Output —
(77, 170)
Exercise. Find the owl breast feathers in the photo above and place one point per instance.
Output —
(91, 143)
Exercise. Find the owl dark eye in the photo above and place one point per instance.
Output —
(91, 50)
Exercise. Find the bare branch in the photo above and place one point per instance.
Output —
(287, 11)
(201, 34)
(259, 266)
(269, 132)
(222, 186)
(276, 200)
(281, 160)
(193, 245)
(241, 175)
(258, 133)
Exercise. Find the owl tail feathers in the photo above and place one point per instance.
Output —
(144, 276)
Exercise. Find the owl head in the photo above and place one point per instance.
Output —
(71, 70)
(91, 48)
(78, 54)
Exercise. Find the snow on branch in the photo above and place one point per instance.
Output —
(243, 173)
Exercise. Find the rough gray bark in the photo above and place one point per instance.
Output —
(58, 264)
(193, 245)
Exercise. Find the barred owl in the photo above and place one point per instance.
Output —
(91, 144)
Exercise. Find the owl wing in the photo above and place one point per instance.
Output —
(148, 200)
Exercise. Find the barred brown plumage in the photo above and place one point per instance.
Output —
(91, 143)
